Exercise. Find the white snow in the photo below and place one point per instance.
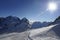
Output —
(34, 34)
(15, 36)
(43, 34)
(40, 30)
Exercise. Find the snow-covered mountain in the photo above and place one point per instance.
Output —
(13, 24)
(56, 29)
(57, 21)
(39, 24)
(51, 32)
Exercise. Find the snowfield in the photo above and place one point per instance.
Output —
(15, 36)
(43, 34)
(34, 34)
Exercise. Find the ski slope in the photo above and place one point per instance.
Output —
(34, 34)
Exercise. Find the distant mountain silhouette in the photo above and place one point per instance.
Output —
(39, 24)
(13, 24)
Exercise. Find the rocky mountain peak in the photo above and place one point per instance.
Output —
(25, 20)
(13, 24)
(58, 19)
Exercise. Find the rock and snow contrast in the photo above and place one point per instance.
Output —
(50, 32)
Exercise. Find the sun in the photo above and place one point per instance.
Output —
(52, 6)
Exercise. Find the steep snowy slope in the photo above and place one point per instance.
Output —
(56, 29)
(51, 32)
(43, 34)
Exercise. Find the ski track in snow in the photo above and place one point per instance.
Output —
(35, 34)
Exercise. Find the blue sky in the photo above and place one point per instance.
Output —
(31, 9)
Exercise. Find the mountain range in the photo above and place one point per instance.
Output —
(21, 29)
(13, 24)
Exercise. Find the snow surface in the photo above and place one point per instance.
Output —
(43, 34)
(15, 36)
(34, 34)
